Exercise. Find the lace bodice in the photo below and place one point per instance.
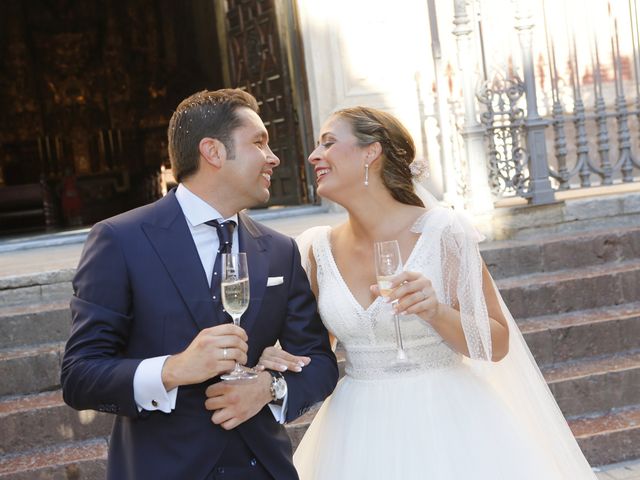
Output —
(368, 335)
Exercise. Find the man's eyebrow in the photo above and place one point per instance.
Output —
(262, 135)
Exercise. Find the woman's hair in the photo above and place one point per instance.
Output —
(398, 150)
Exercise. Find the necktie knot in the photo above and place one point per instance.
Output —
(225, 234)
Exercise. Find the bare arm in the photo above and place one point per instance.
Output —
(448, 324)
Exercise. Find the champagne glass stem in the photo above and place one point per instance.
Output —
(236, 321)
(400, 354)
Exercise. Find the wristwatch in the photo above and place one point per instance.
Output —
(278, 387)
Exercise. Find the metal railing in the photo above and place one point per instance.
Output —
(531, 156)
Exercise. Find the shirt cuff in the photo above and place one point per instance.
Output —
(280, 411)
(148, 389)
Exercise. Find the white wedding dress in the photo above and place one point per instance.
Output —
(441, 416)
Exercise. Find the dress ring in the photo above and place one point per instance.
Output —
(224, 353)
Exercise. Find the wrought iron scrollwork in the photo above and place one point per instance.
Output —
(503, 120)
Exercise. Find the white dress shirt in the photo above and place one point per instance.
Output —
(148, 389)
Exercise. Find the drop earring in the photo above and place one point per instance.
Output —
(366, 174)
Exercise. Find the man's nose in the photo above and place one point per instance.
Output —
(272, 157)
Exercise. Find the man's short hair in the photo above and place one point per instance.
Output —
(204, 114)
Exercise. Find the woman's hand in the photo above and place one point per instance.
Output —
(414, 294)
(274, 358)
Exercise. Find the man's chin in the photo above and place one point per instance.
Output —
(266, 195)
(260, 201)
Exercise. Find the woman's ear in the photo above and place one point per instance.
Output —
(213, 151)
(374, 152)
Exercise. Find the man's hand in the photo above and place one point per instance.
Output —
(236, 402)
(214, 351)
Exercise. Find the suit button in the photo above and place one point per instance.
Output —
(253, 462)
(154, 403)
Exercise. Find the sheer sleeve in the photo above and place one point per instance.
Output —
(516, 378)
(461, 265)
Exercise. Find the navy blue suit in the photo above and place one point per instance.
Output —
(140, 291)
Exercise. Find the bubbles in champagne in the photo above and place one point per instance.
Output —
(235, 296)
(384, 284)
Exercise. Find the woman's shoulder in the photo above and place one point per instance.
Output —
(309, 239)
(450, 222)
(310, 234)
(435, 218)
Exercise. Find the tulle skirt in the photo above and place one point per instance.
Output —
(441, 424)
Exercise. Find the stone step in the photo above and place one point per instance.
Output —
(595, 384)
(44, 451)
(31, 369)
(43, 420)
(609, 438)
(87, 457)
(559, 252)
(32, 288)
(34, 323)
(571, 290)
(613, 207)
(569, 336)
(84, 460)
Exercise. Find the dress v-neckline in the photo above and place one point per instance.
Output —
(341, 279)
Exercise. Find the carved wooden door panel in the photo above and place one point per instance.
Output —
(258, 63)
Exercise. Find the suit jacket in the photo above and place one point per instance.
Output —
(140, 291)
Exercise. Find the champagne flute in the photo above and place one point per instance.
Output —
(235, 298)
(388, 265)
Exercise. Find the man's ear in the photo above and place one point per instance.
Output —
(213, 151)
(374, 151)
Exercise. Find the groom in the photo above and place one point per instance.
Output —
(149, 337)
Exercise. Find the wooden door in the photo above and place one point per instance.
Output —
(259, 52)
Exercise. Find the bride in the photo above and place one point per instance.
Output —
(469, 402)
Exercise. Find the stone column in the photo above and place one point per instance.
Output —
(540, 190)
(449, 176)
(479, 199)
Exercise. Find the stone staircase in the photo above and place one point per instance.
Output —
(577, 302)
(576, 299)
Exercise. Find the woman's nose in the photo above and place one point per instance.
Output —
(314, 157)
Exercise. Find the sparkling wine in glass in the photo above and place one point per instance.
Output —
(388, 265)
(235, 298)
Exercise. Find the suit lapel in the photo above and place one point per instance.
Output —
(169, 235)
(257, 246)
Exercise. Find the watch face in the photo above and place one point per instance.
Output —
(280, 388)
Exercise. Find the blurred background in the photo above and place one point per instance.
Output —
(485, 86)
